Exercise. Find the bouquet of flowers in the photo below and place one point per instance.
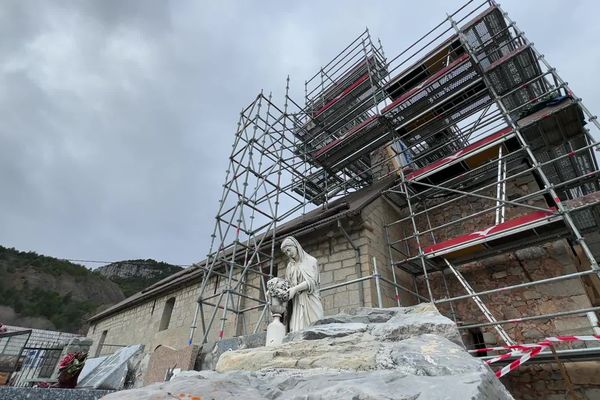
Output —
(69, 368)
(278, 287)
(72, 362)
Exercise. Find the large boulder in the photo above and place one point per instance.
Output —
(393, 353)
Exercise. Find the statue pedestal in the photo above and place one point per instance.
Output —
(275, 331)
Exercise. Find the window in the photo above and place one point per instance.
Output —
(477, 341)
(166, 315)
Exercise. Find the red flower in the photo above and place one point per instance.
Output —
(67, 360)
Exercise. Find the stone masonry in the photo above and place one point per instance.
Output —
(341, 261)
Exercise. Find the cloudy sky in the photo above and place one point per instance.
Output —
(116, 117)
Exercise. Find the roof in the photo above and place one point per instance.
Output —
(347, 206)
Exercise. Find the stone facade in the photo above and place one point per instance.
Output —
(550, 259)
(352, 255)
(339, 262)
(140, 323)
(545, 381)
(524, 265)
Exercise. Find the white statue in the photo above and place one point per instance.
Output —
(302, 272)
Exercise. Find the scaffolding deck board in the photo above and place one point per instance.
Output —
(484, 148)
(365, 136)
(424, 68)
(531, 224)
(557, 130)
(459, 70)
(356, 73)
(488, 33)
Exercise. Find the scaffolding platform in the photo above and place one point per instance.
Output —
(470, 157)
(520, 232)
(517, 77)
(556, 131)
(447, 83)
(487, 32)
(364, 137)
(430, 64)
(355, 81)
(434, 135)
(345, 103)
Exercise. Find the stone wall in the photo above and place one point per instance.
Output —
(466, 214)
(524, 265)
(531, 381)
(337, 261)
(376, 216)
(140, 324)
(545, 381)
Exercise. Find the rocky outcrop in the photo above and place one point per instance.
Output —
(146, 269)
(396, 353)
(135, 275)
(211, 352)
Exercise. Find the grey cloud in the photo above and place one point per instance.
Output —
(118, 116)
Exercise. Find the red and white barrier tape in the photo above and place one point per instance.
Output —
(528, 351)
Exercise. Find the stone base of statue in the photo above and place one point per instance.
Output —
(275, 332)
(376, 353)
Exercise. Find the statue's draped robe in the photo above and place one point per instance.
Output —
(306, 305)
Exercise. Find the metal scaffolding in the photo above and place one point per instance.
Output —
(506, 117)
(466, 111)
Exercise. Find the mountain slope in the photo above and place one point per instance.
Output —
(43, 292)
(135, 275)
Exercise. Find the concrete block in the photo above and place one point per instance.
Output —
(331, 266)
(499, 275)
(531, 294)
(584, 373)
(341, 275)
(342, 255)
(326, 277)
(351, 262)
(572, 325)
(571, 287)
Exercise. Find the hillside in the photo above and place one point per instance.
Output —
(135, 275)
(43, 292)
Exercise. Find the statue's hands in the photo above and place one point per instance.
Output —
(292, 292)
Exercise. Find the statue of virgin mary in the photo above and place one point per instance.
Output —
(303, 274)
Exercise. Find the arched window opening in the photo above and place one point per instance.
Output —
(166, 315)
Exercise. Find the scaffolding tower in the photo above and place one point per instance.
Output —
(467, 110)
(494, 112)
